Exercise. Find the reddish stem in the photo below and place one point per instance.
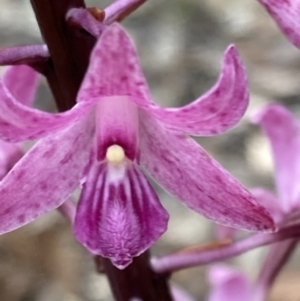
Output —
(69, 48)
(138, 281)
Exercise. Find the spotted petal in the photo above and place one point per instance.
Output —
(114, 68)
(184, 169)
(119, 215)
(283, 132)
(10, 153)
(286, 13)
(45, 176)
(217, 110)
(21, 81)
(19, 122)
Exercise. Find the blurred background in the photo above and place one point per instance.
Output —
(180, 43)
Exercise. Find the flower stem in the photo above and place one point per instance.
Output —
(69, 48)
(137, 281)
(177, 261)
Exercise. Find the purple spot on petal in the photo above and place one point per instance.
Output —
(124, 78)
(21, 218)
(21, 174)
(218, 92)
(212, 110)
(7, 211)
(218, 179)
(66, 158)
(35, 206)
(34, 119)
(131, 67)
(4, 124)
(43, 185)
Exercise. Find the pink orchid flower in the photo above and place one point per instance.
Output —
(283, 132)
(228, 284)
(286, 14)
(107, 141)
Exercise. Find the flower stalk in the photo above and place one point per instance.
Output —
(177, 261)
(138, 281)
(69, 49)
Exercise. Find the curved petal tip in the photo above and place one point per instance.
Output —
(218, 110)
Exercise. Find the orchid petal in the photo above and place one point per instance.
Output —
(119, 215)
(21, 81)
(283, 132)
(267, 199)
(10, 153)
(19, 122)
(116, 55)
(45, 176)
(184, 169)
(216, 111)
(228, 284)
(287, 16)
